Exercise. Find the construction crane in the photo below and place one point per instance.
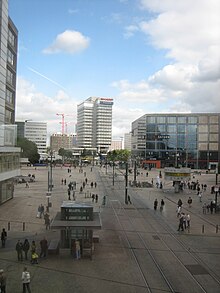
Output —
(63, 121)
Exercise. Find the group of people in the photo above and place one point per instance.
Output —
(23, 249)
(162, 204)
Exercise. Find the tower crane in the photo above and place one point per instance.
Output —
(63, 123)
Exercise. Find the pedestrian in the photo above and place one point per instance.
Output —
(3, 237)
(27, 185)
(19, 249)
(200, 196)
(162, 203)
(95, 184)
(189, 202)
(44, 247)
(96, 198)
(78, 252)
(64, 181)
(91, 184)
(179, 203)
(26, 278)
(68, 192)
(38, 211)
(41, 210)
(93, 197)
(178, 211)
(33, 246)
(155, 204)
(2, 281)
(129, 199)
(181, 219)
(26, 247)
(47, 221)
(204, 208)
(188, 220)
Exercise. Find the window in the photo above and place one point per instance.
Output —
(192, 120)
(11, 38)
(171, 119)
(10, 77)
(9, 96)
(11, 58)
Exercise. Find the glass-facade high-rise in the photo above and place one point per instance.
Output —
(9, 153)
(178, 139)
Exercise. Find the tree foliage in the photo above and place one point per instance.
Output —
(118, 155)
(66, 154)
(28, 150)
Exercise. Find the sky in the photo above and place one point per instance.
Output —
(150, 56)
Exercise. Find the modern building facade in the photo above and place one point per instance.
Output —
(127, 141)
(116, 145)
(35, 132)
(94, 123)
(190, 140)
(9, 153)
(59, 140)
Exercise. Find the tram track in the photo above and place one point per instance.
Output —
(201, 287)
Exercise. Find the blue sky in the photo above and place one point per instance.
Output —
(149, 56)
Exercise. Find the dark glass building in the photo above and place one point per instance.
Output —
(188, 140)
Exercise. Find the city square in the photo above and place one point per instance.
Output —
(139, 249)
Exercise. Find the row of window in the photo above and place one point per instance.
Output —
(183, 119)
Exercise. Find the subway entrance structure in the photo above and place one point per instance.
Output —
(77, 221)
(177, 175)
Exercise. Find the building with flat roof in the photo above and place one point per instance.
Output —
(59, 140)
(35, 132)
(94, 123)
(190, 140)
(9, 153)
(127, 141)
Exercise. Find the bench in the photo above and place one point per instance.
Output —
(54, 246)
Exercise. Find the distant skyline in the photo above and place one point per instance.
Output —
(149, 56)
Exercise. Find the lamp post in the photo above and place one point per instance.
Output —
(50, 181)
(113, 169)
(126, 184)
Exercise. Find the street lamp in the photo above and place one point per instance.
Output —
(126, 184)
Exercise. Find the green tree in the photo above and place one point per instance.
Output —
(28, 150)
(118, 155)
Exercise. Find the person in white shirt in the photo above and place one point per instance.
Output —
(26, 278)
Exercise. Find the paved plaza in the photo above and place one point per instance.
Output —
(133, 237)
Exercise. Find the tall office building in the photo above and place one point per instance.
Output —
(94, 124)
(9, 153)
(190, 140)
(127, 141)
(35, 132)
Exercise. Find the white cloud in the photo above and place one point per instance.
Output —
(130, 30)
(32, 104)
(68, 42)
(189, 32)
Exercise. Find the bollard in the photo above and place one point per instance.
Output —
(203, 228)
(23, 226)
(9, 226)
(216, 228)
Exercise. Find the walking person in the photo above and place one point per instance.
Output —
(2, 281)
(189, 202)
(129, 199)
(188, 220)
(78, 252)
(26, 278)
(26, 247)
(155, 204)
(19, 249)
(44, 247)
(3, 237)
(162, 203)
